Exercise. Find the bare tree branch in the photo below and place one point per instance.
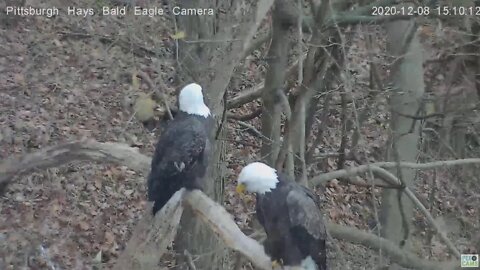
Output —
(255, 92)
(393, 180)
(432, 221)
(345, 129)
(318, 180)
(262, 8)
(246, 96)
(53, 156)
(402, 257)
(152, 236)
(257, 43)
(191, 264)
(322, 123)
(272, 102)
(255, 131)
(245, 117)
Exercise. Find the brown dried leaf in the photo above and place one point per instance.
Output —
(83, 225)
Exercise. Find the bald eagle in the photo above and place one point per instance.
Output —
(180, 158)
(290, 214)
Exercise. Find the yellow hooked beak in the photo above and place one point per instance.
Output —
(241, 188)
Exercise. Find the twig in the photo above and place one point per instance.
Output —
(344, 138)
(47, 258)
(420, 117)
(322, 122)
(286, 105)
(239, 142)
(432, 222)
(253, 130)
(191, 264)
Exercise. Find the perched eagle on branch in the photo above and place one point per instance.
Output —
(290, 214)
(180, 158)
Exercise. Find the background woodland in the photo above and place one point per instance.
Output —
(378, 114)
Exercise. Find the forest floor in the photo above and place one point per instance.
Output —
(59, 83)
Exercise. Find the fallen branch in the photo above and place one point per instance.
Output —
(152, 236)
(120, 154)
(402, 257)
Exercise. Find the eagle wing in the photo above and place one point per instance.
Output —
(180, 153)
(307, 226)
(259, 210)
(303, 212)
(176, 153)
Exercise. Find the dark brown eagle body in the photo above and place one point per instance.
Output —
(294, 224)
(180, 158)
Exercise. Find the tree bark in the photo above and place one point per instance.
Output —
(212, 48)
(272, 105)
(407, 80)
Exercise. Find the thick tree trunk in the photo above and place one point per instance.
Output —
(407, 80)
(212, 48)
(275, 78)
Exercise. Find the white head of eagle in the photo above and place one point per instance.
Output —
(290, 215)
(190, 100)
(257, 177)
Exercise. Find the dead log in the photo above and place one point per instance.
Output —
(82, 150)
